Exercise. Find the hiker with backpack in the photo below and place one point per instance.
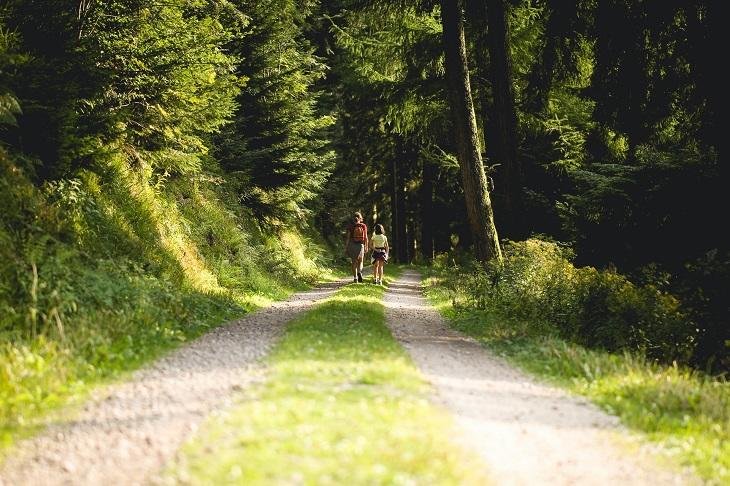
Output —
(357, 241)
(380, 248)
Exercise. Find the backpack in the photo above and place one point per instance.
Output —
(358, 232)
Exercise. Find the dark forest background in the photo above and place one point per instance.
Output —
(179, 141)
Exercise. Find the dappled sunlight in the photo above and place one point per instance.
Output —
(187, 187)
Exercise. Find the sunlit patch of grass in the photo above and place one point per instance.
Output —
(119, 270)
(38, 376)
(343, 404)
(685, 412)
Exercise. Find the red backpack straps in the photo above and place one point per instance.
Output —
(359, 232)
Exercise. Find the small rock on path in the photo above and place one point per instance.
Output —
(527, 433)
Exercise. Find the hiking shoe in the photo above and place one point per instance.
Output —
(354, 279)
(359, 277)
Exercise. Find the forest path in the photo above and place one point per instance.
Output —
(128, 431)
(527, 433)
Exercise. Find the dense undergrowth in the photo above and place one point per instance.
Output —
(620, 344)
(538, 285)
(105, 270)
(129, 221)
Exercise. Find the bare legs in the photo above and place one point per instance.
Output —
(378, 270)
(357, 268)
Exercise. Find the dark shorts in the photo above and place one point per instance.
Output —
(355, 250)
(379, 256)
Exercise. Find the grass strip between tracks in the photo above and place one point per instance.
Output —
(342, 403)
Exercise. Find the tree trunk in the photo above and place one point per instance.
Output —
(401, 233)
(504, 116)
(399, 237)
(478, 204)
(403, 156)
(476, 12)
(426, 210)
(394, 216)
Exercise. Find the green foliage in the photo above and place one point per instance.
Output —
(395, 139)
(9, 58)
(166, 82)
(703, 288)
(655, 74)
(120, 235)
(632, 195)
(621, 140)
(149, 81)
(686, 412)
(538, 285)
(338, 364)
(9, 108)
(101, 274)
(277, 148)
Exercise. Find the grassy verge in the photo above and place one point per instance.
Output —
(343, 403)
(42, 378)
(126, 319)
(114, 271)
(687, 413)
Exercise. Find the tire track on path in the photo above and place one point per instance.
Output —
(528, 433)
(127, 432)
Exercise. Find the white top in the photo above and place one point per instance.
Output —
(379, 241)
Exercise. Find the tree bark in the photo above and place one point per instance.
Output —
(394, 216)
(478, 203)
(399, 219)
(504, 116)
(476, 12)
(426, 208)
(401, 232)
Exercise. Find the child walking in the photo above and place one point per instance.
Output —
(379, 245)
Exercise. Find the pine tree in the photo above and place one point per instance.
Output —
(147, 80)
(478, 202)
(277, 147)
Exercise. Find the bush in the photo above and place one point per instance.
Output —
(538, 286)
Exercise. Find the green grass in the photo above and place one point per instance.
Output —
(115, 271)
(684, 411)
(342, 403)
(42, 379)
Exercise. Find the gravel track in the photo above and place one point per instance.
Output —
(127, 432)
(526, 432)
